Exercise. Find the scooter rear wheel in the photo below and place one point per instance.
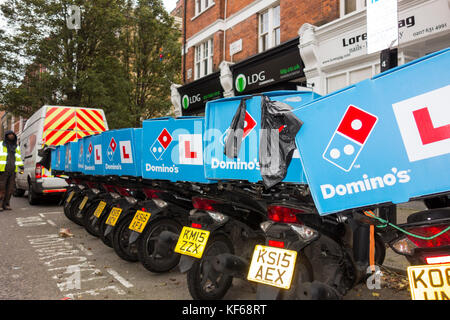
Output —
(120, 238)
(89, 216)
(146, 246)
(204, 283)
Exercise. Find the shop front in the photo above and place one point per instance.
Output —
(279, 68)
(335, 54)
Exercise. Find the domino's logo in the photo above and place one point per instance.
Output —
(249, 124)
(89, 152)
(111, 149)
(162, 142)
(349, 138)
(424, 123)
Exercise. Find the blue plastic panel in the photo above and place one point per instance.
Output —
(93, 155)
(385, 139)
(58, 158)
(172, 149)
(219, 114)
(71, 157)
(122, 152)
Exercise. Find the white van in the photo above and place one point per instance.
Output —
(52, 125)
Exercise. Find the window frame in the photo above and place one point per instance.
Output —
(201, 6)
(359, 4)
(203, 58)
(270, 33)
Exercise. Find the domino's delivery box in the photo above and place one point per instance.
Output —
(58, 158)
(172, 149)
(122, 152)
(382, 140)
(81, 153)
(71, 157)
(245, 164)
(93, 158)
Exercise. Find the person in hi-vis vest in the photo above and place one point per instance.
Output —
(10, 160)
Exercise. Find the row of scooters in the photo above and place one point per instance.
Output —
(273, 238)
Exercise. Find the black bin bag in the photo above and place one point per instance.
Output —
(235, 133)
(279, 126)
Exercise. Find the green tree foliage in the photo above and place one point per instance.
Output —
(108, 62)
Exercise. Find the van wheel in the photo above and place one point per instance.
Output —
(32, 196)
(19, 193)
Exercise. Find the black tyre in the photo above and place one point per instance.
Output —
(106, 239)
(303, 273)
(19, 192)
(204, 283)
(88, 217)
(121, 235)
(73, 209)
(33, 197)
(146, 246)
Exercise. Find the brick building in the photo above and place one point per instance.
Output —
(234, 47)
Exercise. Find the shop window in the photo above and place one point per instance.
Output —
(202, 5)
(203, 58)
(360, 75)
(269, 28)
(336, 82)
(349, 6)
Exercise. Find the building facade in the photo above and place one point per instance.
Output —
(234, 47)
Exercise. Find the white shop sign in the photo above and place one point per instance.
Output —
(414, 23)
(382, 25)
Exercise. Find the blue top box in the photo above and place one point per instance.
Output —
(58, 158)
(382, 140)
(219, 115)
(122, 152)
(71, 157)
(93, 157)
(172, 149)
(81, 154)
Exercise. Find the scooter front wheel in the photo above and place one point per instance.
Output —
(204, 282)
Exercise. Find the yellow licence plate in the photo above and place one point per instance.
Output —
(99, 209)
(272, 266)
(429, 282)
(192, 242)
(70, 196)
(83, 203)
(113, 216)
(139, 221)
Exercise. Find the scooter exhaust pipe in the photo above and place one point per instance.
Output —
(165, 243)
(231, 265)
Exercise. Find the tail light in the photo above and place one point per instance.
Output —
(428, 231)
(437, 259)
(123, 191)
(196, 225)
(151, 193)
(109, 188)
(283, 214)
(203, 204)
(278, 244)
(38, 171)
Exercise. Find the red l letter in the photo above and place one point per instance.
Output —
(125, 154)
(188, 154)
(428, 133)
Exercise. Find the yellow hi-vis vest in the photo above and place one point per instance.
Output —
(4, 156)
